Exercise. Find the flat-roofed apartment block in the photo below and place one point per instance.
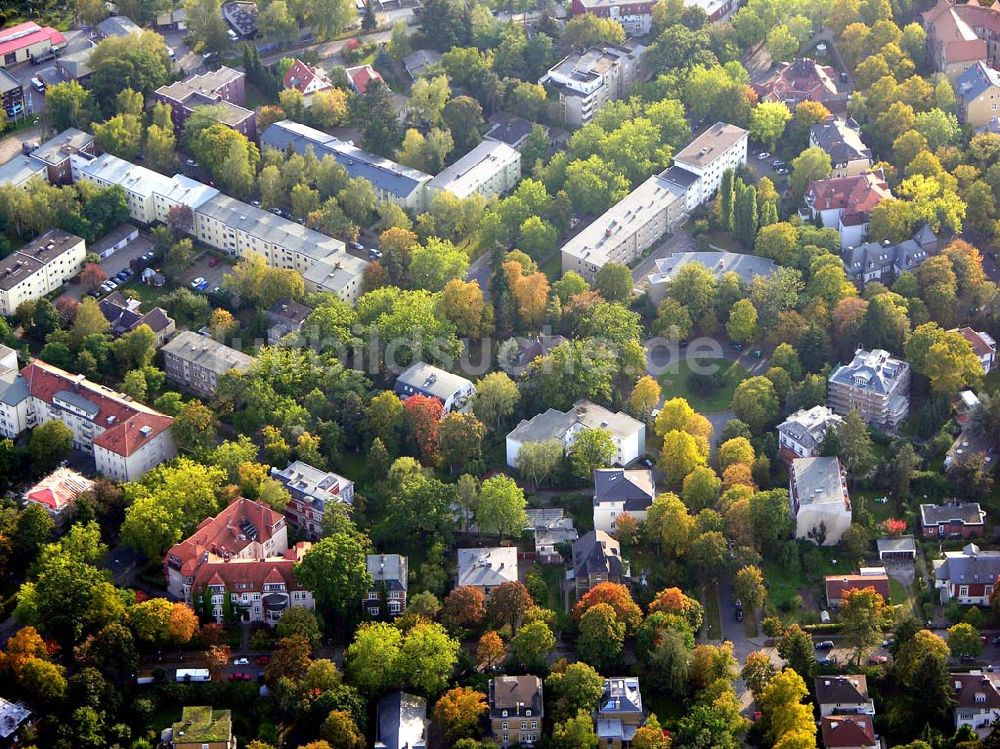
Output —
(876, 384)
(224, 90)
(140, 184)
(392, 182)
(20, 170)
(626, 229)
(586, 81)
(55, 153)
(699, 166)
(491, 168)
(40, 267)
(195, 362)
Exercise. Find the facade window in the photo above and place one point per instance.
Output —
(963, 591)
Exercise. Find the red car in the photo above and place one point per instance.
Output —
(262, 660)
(241, 676)
(213, 261)
(877, 660)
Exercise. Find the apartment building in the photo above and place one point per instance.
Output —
(389, 584)
(846, 203)
(55, 153)
(597, 558)
(802, 434)
(259, 590)
(125, 438)
(874, 261)
(392, 182)
(747, 267)
(454, 391)
(491, 168)
(635, 17)
(849, 156)
(959, 36)
(140, 184)
(20, 170)
(312, 492)
(699, 166)
(39, 268)
(224, 90)
(978, 93)
(196, 362)
(874, 383)
(11, 94)
(583, 82)
(619, 712)
(618, 491)
(243, 530)
(801, 80)
(516, 706)
(13, 395)
(820, 504)
(623, 232)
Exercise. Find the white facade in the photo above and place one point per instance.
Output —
(491, 168)
(720, 147)
(39, 268)
(820, 504)
(586, 81)
(803, 432)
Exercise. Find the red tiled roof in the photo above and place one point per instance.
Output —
(221, 535)
(59, 489)
(979, 346)
(848, 731)
(363, 75)
(248, 575)
(26, 34)
(299, 76)
(838, 585)
(122, 420)
(856, 196)
(800, 80)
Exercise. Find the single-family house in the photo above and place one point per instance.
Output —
(977, 701)
(967, 576)
(454, 392)
(838, 586)
(516, 708)
(849, 732)
(843, 695)
(959, 520)
(597, 558)
(619, 712)
(390, 582)
(618, 491)
(487, 569)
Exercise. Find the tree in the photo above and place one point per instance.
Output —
(371, 657)
(601, 636)
(375, 114)
(963, 641)
(500, 510)
(496, 397)
(427, 658)
(51, 443)
(585, 31)
(813, 163)
(508, 604)
(855, 445)
(645, 396)
(336, 570)
(459, 712)
(576, 732)
(618, 597)
(540, 462)
(768, 121)
(532, 644)
(679, 456)
(464, 118)
(796, 647)
(436, 263)
(614, 281)
(755, 402)
(592, 449)
(861, 615)
(748, 585)
(464, 607)
(742, 324)
(757, 672)
(460, 442)
(674, 601)
(193, 427)
(68, 105)
(490, 651)
(299, 621)
(339, 728)
(790, 723)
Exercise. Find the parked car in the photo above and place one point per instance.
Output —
(213, 261)
(996, 640)
(241, 661)
(241, 676)
(966, 658)
(777, 162)
(763, 155)
(825, 645)
(196, 282)
(877, 660)
(374, 254)
(357, 246)
(828, 662)
(262, 660)
(782, 170)
(191, 162)
(739, 615)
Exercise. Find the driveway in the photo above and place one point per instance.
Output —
(115, 263)
(11, 145)
(680, 241)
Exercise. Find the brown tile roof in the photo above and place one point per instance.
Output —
(838, 585)
(128, 425)
(224, 535)
(246, 575)
(856, 196)
(512, 693)
(975, 691)
(848, 731)
(801, 80)
(841, 690)
(979, 345)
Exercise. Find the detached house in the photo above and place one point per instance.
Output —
(487, 569)
(390, 582)
(820, 504)
(618, 491)
(597, 558)
(802, 80)
(843, 695)
(842, 140)
(516, 709)
(977, 701)
(965, 520)
(312, 492)
(454, 392)
(801, 435)
(306, 79)
(967, 576)
(619, 713)
(849, 732)
(983, 346)
(846, 203)
(838, 586)
(57, 493)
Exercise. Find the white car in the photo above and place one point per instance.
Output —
(197, 282)
(763, 155)
(241, 661)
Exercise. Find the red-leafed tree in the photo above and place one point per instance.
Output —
(618, 597)
(508, 605)
(465, 606)
(424, 416)
(66, 307)
(675, 601)
(92, 276)
(893, 526)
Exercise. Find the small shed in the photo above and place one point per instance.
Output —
(897, 549)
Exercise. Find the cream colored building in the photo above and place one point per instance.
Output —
(978, 93)
(491, 168)
(39, 268)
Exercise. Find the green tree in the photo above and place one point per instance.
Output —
(68, 105)
(371, 658)
(813, 163)
(768, 121)
(614, 282)
(531, 645)
(861, 615)
(51, 443)
(576, 732)
(856, 445)
(755, 402)
(336, 570)
(500, 509)
(963, 640)
(742, 324)
(496, 398)
(601, 636)
(748, 585)
(427, 658)
(592, 449)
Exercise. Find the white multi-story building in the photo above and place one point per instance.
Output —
(454, 391)
(625, 230)
(820, 505)
(586, 81)
(39, 268)
(389, 584)
(140, 184)
(491, 168)
(635, 16)
(876, 384)
(628, 434)
(801, 435)
(125, 437)
(618, 491)
(698, 168)
(977, 701)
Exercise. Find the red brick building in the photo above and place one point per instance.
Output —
(966, 520)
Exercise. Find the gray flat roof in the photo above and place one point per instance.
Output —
(206, 352)
(58, 148)
(19, 169)
(818, 481)
(719, 263)
(711, 144)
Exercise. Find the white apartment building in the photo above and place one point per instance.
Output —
(875, 383)
(626, 229)
(491, 168)
(140, 184)
(819, 502)
(126, 438)
(39, 267)
(801, 435)
(586, 81)
(699, 166)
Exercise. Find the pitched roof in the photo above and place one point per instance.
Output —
(487, 567)
(128, 425)
(206, 352)
(514, 694)
(975, 81)
(848, 731)
(841, 140)
(242, 523)
(968, 566)
(876, 370)
(837, 586)
(59, 489)
(851, 689)
(421, 377)
(388, 569)
(967, 513)
(300, 76)
(801, 80)
(808, 427)
(982, 343)
(361, 76)
(633, 487)
(554, 424)
(854, 196)
(621, 695)
(248, 574)
(28, 34)
(595, 552)
(975, 690)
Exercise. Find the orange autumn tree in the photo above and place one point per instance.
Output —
(465, 606)
(675, 601)
(459, 711)
(531, 291)
(424, 415)
(617, 596)
(490, 652)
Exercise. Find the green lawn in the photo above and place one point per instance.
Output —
(900, 596)
(553, 576)
(676, 385)
(553, 267)
(713, 619)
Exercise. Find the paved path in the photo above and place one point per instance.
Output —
(11, 145)
(680, 241)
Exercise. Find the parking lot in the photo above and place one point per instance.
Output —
(115, 263)
(203, 268)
